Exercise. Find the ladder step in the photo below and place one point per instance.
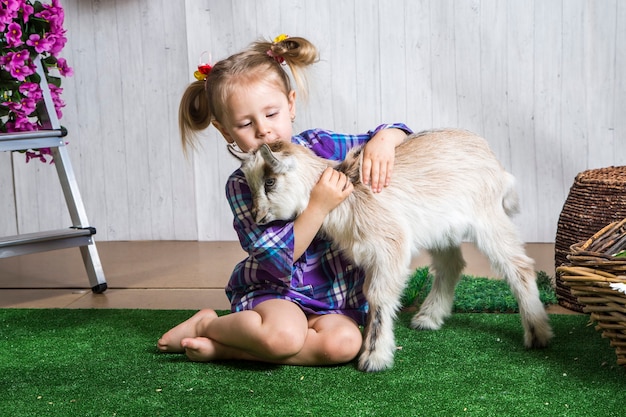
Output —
(41, 241)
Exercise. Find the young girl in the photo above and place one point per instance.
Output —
(295, 299)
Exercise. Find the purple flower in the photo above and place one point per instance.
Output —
(14, 35)
(21, 56)
(20, 72)
(27, 11)
(54, 14)
(12, 5)
(17, 59)
(13, 106)
(31, 90)
(38, 154)
(40, 34)
(55, 92)
(64, 69)
(57, 41)
(40, 44)
(8, 12)
(6, 17)
(29, 104)
(22, 124)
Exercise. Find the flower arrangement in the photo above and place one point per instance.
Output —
(30, 29)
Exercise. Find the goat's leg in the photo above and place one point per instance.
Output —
(448, 265)
(383, 289)
(502, 245)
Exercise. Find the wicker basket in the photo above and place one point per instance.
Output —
(596, 199)
(593, 267)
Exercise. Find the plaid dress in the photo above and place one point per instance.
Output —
(322, 280)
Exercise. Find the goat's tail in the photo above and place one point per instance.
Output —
(510, 201)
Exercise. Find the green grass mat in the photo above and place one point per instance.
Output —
(104, 363)
(475, 294)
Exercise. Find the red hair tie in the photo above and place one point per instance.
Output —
(203, 69)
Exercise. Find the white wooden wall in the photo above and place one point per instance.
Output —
(544, 81)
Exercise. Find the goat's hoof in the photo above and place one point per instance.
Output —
(538, 337)
(421, 322)
(374, 363)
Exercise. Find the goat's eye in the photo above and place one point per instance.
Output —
(269, 183)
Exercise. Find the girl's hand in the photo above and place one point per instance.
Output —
(378, 157)
(331, 189)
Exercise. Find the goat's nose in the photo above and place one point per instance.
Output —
(260, 217)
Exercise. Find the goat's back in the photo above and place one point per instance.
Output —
(443, 182)
(435, 161)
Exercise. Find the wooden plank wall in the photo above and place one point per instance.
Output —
(544, 81)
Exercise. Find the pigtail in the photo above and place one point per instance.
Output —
(296, 52)
(194, 114)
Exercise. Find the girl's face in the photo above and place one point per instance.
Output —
(258, 112)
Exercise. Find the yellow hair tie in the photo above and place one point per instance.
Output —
(280, 38)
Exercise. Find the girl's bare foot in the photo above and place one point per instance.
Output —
(200, 349)
(171, 341)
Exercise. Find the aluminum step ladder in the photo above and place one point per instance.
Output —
(80, 234)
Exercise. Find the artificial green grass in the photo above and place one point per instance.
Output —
(475, 294)
(104, 363)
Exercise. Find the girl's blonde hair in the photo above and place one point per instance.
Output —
(205, 101)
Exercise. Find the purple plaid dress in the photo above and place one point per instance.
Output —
(321, 281)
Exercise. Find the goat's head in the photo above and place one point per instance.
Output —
(280, 177)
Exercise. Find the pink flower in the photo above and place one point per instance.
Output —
(39, 154)
(27, 11)
(64, 69)
(17, 59)
(22, 124)
(40, 44)
(35, 28)
(57, 41)
(31, 90)
(54, 14)
(8, 12)
(6, 17)
(12, 5)
(14, 35)
(20, 72)
(29, 104)
(13, 106)
(55, 92)
(21, 56)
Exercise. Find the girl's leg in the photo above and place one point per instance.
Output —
(276, 331)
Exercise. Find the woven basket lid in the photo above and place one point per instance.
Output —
(606, 176)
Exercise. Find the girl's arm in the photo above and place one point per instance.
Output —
(378, 157)
(379, 150)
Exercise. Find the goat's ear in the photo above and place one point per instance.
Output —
(238, 153)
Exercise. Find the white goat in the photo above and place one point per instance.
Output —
(447, 187)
